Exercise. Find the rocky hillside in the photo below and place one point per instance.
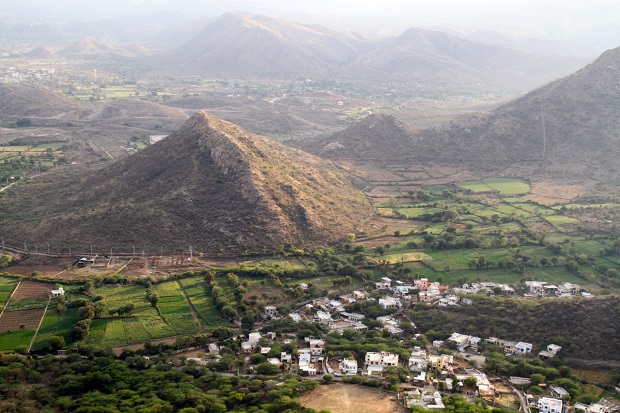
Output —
(571, 125)
(378, 136)
(211, 185)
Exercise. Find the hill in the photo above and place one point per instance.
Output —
(210, 184)
(378, 136)
(255, 45)
(18, 101)
(569, 126)
(39, 53)
(440, 58)
(93, 49)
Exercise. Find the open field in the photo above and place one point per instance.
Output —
(33, 290)
(21, 320)
(345, 398)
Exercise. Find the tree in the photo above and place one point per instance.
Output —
(536, 379)
(471, 381)
(86, 312)
(5, 260)
(328, 378)
(56, 342)
(267, 368)
(154, 299)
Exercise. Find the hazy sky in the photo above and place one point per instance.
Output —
(550, 19)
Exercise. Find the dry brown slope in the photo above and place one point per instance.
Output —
(574, 121)
(211, 184)
(377, 137)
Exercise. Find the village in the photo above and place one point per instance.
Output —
(452, 365)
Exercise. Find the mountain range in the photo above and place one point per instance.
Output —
(569, 127)
(252, 46)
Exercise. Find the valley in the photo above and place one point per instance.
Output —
(245, 212)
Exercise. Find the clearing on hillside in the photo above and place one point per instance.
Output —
(346, 398)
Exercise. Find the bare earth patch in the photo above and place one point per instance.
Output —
(553, 192)
(21, 320)
(345, 398)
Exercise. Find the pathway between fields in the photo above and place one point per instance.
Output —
(192, 309)
(39, 326)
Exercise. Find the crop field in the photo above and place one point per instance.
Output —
(560, 221)
(115, 296)
(508, 186)
(171, 300)
(202, 302)
(20, 320)
(14, 339)
(55, 324)
(405, 257)
(7, 285)
(33, 290)
(458, 259)
(505, 186)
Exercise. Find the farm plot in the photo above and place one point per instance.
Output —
(202, 302)
(171, 300)
(32, 290)
(459, 259)
(115, 296)
(7, 285)
(21, 320)
(508, 186)
(15, 339)
(560, 221)
(405, 257)
(55, 324)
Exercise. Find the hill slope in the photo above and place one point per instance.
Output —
(93, 49)
(420, 55)
(254, 45)
(570, 125)
(378, 136)
(211, 185)
(24, 101)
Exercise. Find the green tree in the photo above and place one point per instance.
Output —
(5, 260)
(56, 342)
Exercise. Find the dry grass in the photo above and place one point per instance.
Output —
(343, 398)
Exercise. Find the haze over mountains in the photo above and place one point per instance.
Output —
(211, 184)
(569, 127)
(245, 45)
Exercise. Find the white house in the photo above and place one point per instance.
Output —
(57, 293)
(304, 365)
(286, 358)
(549, 405)
(553, 349)
(303, 286)
(389, 302)
(382, 285)
(348, 367)
(377, 361)
(417, 361)
(522, 348)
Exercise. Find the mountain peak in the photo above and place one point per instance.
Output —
(211, 184)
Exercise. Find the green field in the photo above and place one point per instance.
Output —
(405, 257)
(13, 339)
(202, 302)
(7, 285)
(55, 325)
(505, 186)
